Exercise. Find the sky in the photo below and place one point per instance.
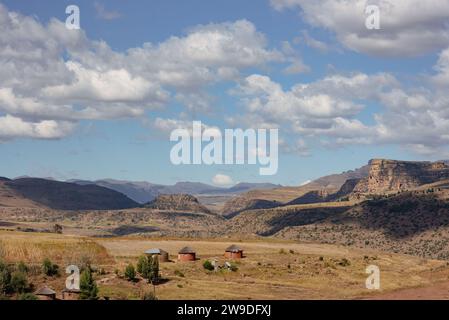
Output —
(101, 101)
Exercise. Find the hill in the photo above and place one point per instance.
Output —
(177, 202)
(68, 196)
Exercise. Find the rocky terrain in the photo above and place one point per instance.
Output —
(391, 176)
(177, 202)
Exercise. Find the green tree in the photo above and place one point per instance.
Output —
(88, 287)
(5, 279)
(142, 265)
(48, 268)
(19, 282)
(130, 273)
(22, 267)
(27, 296)
(208, 265)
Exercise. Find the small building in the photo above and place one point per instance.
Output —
(45, 293)
(234, 252)
(72, 294)
(162, 255)
(187, 254)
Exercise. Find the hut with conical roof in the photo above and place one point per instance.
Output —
(234, 252)
(187, 254)
(45, 293)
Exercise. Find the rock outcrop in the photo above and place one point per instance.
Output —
(387, 176)
(177, 202)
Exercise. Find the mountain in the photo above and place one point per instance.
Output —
(143, 192)
(177, 202)
(244, 187)
(335, 181)
(387, 176)
(69, 196)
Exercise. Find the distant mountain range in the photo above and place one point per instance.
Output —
(143, 192)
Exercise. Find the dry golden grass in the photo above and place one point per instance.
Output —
(35, 247)
(278, 270)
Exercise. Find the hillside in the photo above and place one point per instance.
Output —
(177, 202)
(68, 196)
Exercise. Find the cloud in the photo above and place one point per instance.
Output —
(105, 14)
(312, 42)
(408, 28)
(50, 73)
(222, 180)
(12, 127)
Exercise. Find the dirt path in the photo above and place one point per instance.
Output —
(438, 291)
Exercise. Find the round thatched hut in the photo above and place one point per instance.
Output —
(234, 252)
(162, 255)
(45, 293)
(187, 254)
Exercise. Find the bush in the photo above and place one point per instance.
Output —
(22, 267)
(233, 267)
(19, 282)
(28, 296)
(149, 296)
(208, 265)
(88, 287)
(48, 268)
(5, 279)
(130, 273)
(179, 273)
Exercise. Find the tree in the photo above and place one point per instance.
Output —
(19, 282)
(208, 265)
(57, 228)
(88, 287)
(48, 268)
(153, 273)
(130, 273)
(148, 267)
(5, 279)
(142, 266)
(22, 267)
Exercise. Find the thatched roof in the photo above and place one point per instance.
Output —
(45, 291)
(187, 250)
(233, 248)
(155, 251)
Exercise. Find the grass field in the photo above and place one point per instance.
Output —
(271, 269)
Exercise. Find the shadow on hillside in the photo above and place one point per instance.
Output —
(301, 217)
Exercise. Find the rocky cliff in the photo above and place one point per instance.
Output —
(386, 176)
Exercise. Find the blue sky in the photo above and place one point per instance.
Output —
(352, 96)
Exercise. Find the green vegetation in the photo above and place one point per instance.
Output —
(49, 269)
(88, 287)
(148, 267)
(27, 296)
(208, 265)
(130, 272)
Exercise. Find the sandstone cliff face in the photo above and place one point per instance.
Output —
(392, 176)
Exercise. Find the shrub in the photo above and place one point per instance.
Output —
(5, 279)
(233, 267)
(344, 262)
(22, 267)
(88, 287)
(149, 296)
(130, 273)
(208, 265)
(28, 296)
(48, 268)
(179, 273)
(148, 267)
(19, 282)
